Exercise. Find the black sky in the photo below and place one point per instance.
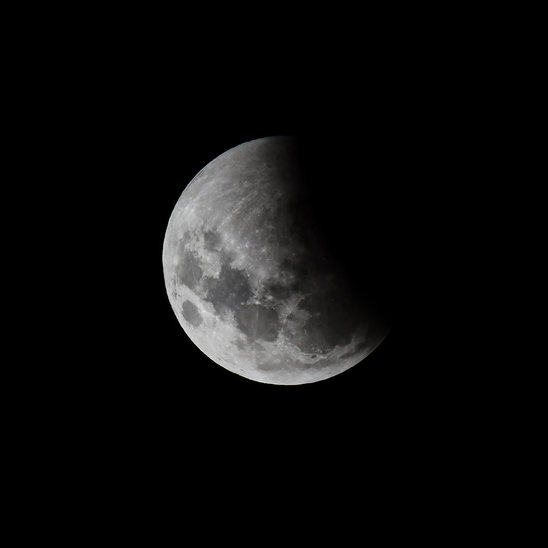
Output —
(131, 415)
(373, 144)
(156, 370)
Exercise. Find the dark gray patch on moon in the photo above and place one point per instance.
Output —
(212, 241)
(278, 292)
(230, 291)
(332, 321)
(191, 314)
(189, 272)
(298, 268)
(258, 322)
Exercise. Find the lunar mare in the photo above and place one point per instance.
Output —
(248, 280)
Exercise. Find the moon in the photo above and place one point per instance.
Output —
(249, 278)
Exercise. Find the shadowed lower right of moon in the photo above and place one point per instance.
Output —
(351, 206)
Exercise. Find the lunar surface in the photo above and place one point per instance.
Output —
(249, 280)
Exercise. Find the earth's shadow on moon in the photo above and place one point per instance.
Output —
(349, 207)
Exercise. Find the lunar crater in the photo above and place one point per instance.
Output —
(191, 313)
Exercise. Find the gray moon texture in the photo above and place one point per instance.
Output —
(248, 280)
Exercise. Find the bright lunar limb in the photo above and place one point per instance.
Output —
(249, 280)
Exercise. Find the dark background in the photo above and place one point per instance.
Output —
(138, 394)
(362, 152)
(126, 417)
